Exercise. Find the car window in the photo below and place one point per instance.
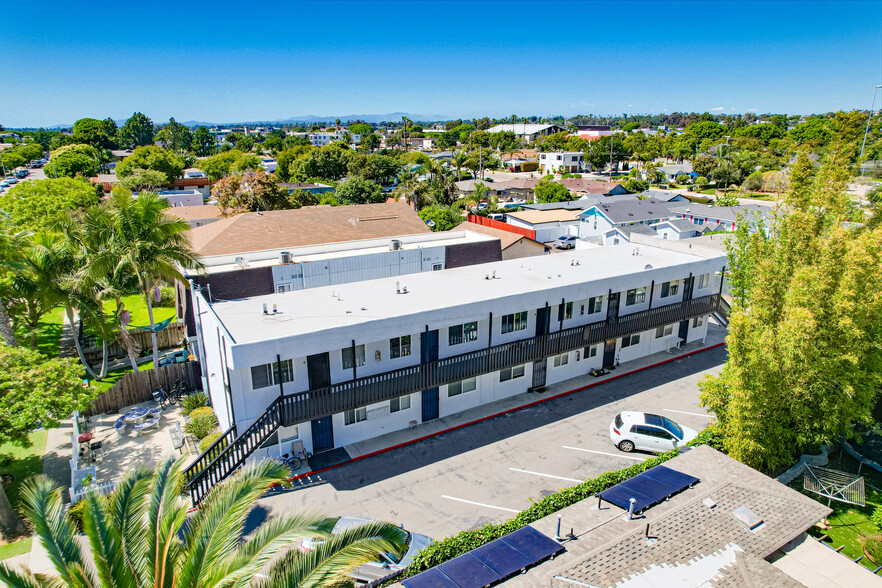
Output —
(618, 421)
(653, 419)
(673, 427)
(639, 429)
(656, 432)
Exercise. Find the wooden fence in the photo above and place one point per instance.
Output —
(137, 387)
(168, 338)
(489, 222)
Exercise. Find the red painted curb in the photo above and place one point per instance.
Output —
(510, 410)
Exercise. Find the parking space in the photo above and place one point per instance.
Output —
(491, 470)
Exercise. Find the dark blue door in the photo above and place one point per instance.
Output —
(543, 318)
(322, 434)
(609, 354)
(612, 310)
(429, 354)
(684, 330)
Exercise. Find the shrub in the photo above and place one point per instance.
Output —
(529, 166)
(200, 426)
(877, 516)
(193, 401)
(873, 547)
(208, 440)
(201, 411)
(75, 513)
(166, 297)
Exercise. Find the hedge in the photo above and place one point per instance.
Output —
(451, 547)
(529, 166)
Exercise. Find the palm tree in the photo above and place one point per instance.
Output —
(459, 160)
(11, 247)
(146, 245)
(36, 281)
(140, 535)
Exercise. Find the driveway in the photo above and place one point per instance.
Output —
(489, 471)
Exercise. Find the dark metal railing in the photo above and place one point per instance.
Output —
(228, 453)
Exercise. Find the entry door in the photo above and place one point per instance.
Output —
(318, 368)
(428, 354)
(609, 354)
(688, 287)
(543, 320)
(540, 367)
(684, 330)
(612, 310)
(322, 434)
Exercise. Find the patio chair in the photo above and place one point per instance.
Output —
(297, 449)
(120, 425)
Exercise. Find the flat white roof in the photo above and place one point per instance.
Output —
(270, 257)
(307, 318)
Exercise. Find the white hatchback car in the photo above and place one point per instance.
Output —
(648, 432)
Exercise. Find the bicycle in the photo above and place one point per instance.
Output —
(178, 391)
(292, 462)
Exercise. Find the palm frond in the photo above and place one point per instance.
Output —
(166, 514)
(105, 539)
(337, 556)
(14, 578)
(127, 505)
(41, 505)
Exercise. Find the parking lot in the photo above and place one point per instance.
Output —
(489, 471)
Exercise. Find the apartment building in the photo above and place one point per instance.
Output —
(335, 365)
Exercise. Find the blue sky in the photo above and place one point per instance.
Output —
(233, 61)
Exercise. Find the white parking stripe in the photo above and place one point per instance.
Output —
(707, 416)
(634, 457)
(479, 504)
(545, 475)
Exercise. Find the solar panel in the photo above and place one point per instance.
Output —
(489, 563)
(431, 578)
(648, 489)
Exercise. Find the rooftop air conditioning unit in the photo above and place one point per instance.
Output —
(396, 244)
(285, 257)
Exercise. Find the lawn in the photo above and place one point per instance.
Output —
(113, 376)
(136, 305)
(48, 333)
(19, 547)
(25, 463)
(850, 525)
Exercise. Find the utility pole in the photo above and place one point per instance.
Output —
(727, 164)
(610, 156)
(481, 160)
(864, 144)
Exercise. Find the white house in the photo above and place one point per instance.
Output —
(324, 138)
(340, 364)
(597, 221)
(182, 197)
(528, 132)
(719, 218)
(674, 230)
(269, 164)
(561, 161)
(548, 224)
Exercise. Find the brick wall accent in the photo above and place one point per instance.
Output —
(241, 283)
(473, 253)
(489, 222)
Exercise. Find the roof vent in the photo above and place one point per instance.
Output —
(648, 266)
(748, 517)
(284, 257)
(241, 261)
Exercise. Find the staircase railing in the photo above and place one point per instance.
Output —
(229, 452)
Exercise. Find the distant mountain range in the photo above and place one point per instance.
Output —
(308, 118)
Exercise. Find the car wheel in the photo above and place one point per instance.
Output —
(626, 446)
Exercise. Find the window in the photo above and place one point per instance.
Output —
(347, 357)
(514, 322)
(629, 340)
(267, 374)
(399, 347)
(283, 288)
(670, 288)
(506, 374)
(351, 417)
(595, 304)
(562, 359)
(703, 281)
(462, 333)
(400, 403)
(565, 311)
(615, 241)
(697, 322)
(591, 351)
(664, 331)
(635, 296)
(436, 267)
(461, 387)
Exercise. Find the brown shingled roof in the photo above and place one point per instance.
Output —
(274, 229)
(506, 239)
(194, 212)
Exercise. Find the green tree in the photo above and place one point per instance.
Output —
(635, 186)
(155, 158)
(706, 130)
(94, 132)
(41, 203)
(547, 190)
(805, 335)
(249, 192)
(203, 143)
(136, 132)
(34, 390)
(12, 247)
(703, 165)
(176, 136)
(814, 130)
(357, 190)
(369, 143)
(764, 131)
(220, 165)
(288, 157)
(73, 160)
(381, 169)
(360, 129)
(37, 279)
(143, 179)
(329, 162)
(753, 183)
(141, 535)
(443, 218)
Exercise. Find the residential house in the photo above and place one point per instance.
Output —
(202, 185)
(548, 224)
(308, 187)
(269, 165)
(663, 196)
(196, 216)
(182, 197)
(442, 156)
(465, 187)
(522, 188)
(719, 218)
(675, 230)
(621, 234)
(527, 132)
(597, 221)
(561, 162)
(344, 363)
(193, 172)
(513, 245)
(673, 171)
(585, 186)
(325, 138)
